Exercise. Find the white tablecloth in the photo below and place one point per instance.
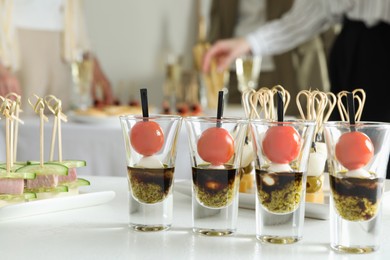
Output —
(101, 232)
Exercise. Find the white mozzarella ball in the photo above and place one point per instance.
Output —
(220, 167)
(358, 173)
(279, 167)
(151, 162)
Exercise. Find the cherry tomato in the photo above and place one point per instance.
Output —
(147, 137)
(281, 144)
(354, 150)
(216, 146)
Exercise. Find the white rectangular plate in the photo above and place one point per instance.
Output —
(44, 206)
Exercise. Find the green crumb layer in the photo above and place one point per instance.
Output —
(215, 188)
(150, 185)
(218, 199)
(147, 192)
(284, 195)
(353, 208)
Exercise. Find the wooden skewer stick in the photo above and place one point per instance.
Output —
(7, 146)
(48, 100)
(39, 108)
(55, 106)
(262, 101)
(16, 120)
(359, 95)
(6, 109)
(10, 129)
(246, 94)
(319, 106)
(328, 109)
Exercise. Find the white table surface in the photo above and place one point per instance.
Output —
(98, 142)
(101, 232)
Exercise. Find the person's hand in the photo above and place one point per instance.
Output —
(225, 52)
(101, 84)
(8, 82)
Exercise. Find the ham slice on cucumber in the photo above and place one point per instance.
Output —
(31, 178)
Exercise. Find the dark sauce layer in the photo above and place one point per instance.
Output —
(281, 179)
(215, 188)
(150, 185)
(213, 180)
(370, 189)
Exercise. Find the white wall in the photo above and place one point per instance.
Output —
(133, 37)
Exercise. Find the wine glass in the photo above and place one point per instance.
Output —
(82, 75)
(248, 71)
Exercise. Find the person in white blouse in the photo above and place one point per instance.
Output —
(360, 55)
(38, 41)
(303, 66)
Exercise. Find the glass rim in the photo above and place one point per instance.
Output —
(287, 122)
(151, 116)
(213, 119)
(366, 124)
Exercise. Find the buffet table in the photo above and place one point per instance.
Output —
(101, 232)
(98, 141)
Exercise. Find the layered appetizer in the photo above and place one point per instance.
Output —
(279, 186)
(356, 192)
(216, 182)
(251, 100)
(150, 180)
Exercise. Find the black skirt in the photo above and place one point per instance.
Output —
(360, 58)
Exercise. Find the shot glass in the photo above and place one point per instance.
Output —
(282, 152)
(215, 151)
(357, 163)
(150, 154)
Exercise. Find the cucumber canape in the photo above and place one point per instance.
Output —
(72, 188)
(14, 167)
(46, 169)
(75, 184)
(9, 199)
(16, 175)
(71, 163)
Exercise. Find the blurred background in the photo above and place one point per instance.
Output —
(135, 39)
